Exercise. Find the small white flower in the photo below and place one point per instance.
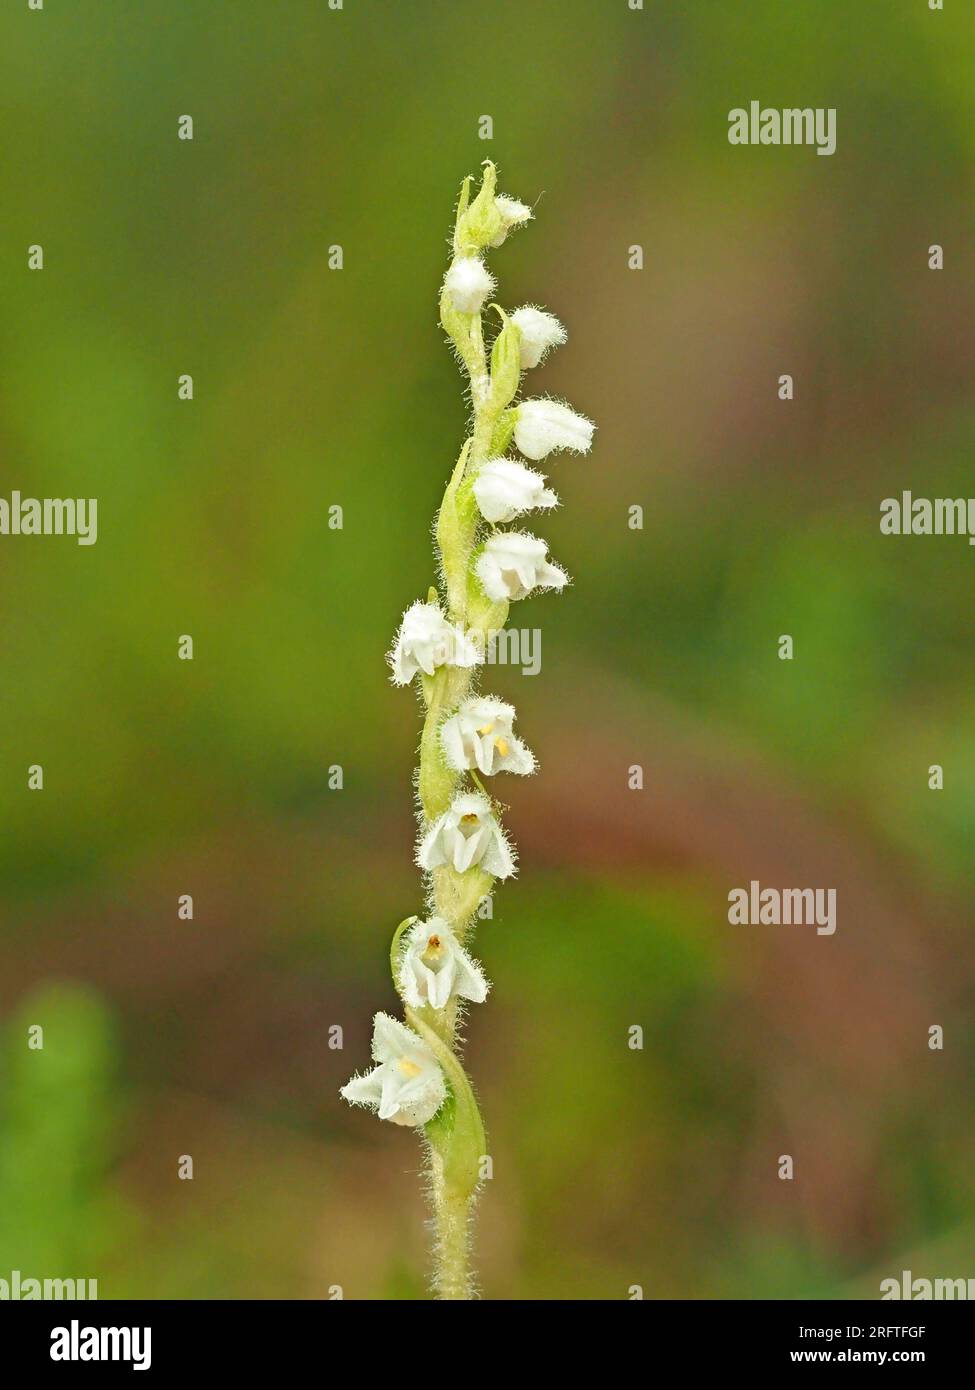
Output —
(435, 968)
(513, 214)
(479, 735)
(541, 426)
(407, 1086)
(539, 332)
(513, 563)
(505, 489)
(469, 282)
(466, 835)
(427, 640)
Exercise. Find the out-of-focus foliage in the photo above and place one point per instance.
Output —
(60, 1217)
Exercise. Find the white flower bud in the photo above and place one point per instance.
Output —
(505, 489)
(407, 1086)
(465, 836)
(513, 214)
(480, 735)
(513, 563)
(427, 640)
(434, 968)
(469, 282)
(539, 332)
(542, 426)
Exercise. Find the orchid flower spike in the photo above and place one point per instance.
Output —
(467, 834)
(427, 640)
(479, 736)
(435, 968)
(418, 1077)
(407, 1084)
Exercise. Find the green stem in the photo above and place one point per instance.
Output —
(457, 1146)
(453, 1281)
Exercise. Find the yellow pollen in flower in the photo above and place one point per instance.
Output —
(501, 746)
(407, 1067)
(485, 729)
(433, 952)
(469, 818)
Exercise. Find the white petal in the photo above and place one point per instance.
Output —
(484, 756)
(364, 1090)
(427, 640)
(389, 1099)
(430, 853)
(518, 759)
(468, 849)
(540, 331)
(470, 804)
(505, 489)
(423, 1099)
(513, 563)
(390, 1038)
(469, 282)
(551, 576)
(499, 859)
(489, 573)
(404, 667)
(542, 426)
(470, 983)
(440, 986)
(452, 742)
(513, 214)
(463, 650)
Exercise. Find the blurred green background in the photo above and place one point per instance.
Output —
(316, 387)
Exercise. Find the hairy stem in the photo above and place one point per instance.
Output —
(451, 1215)
(456, 1135)
(456, 896)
